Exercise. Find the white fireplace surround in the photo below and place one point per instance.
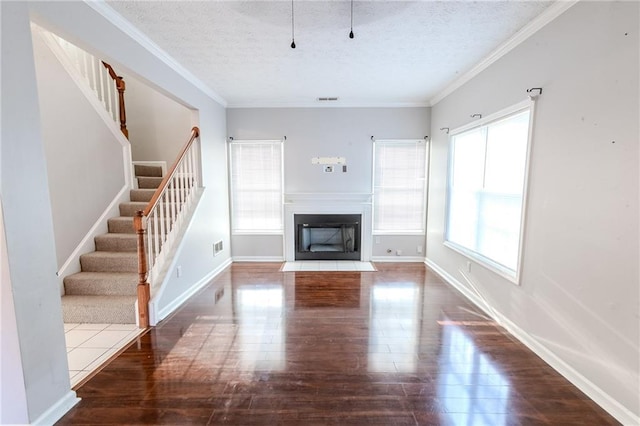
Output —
(327, 203)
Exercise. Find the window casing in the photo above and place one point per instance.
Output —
(256, 181)
(486, 196)
(399, 186)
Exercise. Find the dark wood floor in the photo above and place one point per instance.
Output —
(393, 347)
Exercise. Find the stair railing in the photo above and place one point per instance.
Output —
(159, 223)
(108, 86)
(120, 109)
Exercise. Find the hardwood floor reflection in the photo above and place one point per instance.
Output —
(393, 347)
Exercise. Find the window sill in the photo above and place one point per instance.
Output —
(258, 232)
(415, 233)
(486, 263)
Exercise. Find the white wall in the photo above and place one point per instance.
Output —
(578, 300)
(13, 398)
(158, 125)
(84, 159)
(326, 132)
(25, 194)
(28, 225)
(211, 220)
(81, 24)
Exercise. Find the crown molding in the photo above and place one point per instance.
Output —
(551, 13)
(129, 29)
(334, 104)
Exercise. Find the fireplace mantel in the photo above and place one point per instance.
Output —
(327, 203)
(323, 197)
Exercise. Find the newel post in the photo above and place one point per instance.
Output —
(120, 85)
(144, 293)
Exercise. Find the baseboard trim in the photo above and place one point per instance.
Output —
(258, 259)
(600, 397)
(57, 410)
(157, 315)
(397, 259)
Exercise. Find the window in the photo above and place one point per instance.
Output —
(487, 180)
(256, 186)
(399, 186)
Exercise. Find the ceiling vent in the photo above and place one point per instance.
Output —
(327, 99)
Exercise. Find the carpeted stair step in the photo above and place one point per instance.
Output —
(109, 261)
(101, 284)
(99, 309)
(130, 208)
(144, 170)
(141, 194)
(121, 225)
(116, 242)
(145, 182)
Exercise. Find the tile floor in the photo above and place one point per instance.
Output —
(90, 345)
(327, 265)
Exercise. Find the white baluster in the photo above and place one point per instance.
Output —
(156, 248)
(190, 171)
(149, 252)
(172, 191)
(184, 185)
(162, 223)
(167, 212)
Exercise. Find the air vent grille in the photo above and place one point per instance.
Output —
(217, 248)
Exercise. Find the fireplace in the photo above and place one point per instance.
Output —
(327, 236)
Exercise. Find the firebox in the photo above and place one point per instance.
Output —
(327, 236)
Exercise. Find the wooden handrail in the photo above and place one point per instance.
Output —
(195, 132)
(121, 86)
(143, 288)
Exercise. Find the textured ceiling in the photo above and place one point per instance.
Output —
(402, 53)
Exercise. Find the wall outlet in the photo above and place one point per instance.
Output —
(377, 240)
(419, 249)
(398, 252)
(468, 266)
(328, 169)
(179, 271)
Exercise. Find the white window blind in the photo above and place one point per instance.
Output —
(487, 175)
(256, 186)
(399, 186)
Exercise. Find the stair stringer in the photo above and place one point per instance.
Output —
(160, 283)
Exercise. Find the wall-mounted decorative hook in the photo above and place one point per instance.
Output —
(535, 89)
(426, 137)
(476, 115)
(372, 138)
(230, 138)
(285, 138)
(446, 129)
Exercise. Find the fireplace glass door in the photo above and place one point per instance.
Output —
(327, 237)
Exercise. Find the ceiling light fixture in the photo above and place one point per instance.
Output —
(351, 33)
(293, 39)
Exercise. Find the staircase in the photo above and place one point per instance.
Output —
(105, 291)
